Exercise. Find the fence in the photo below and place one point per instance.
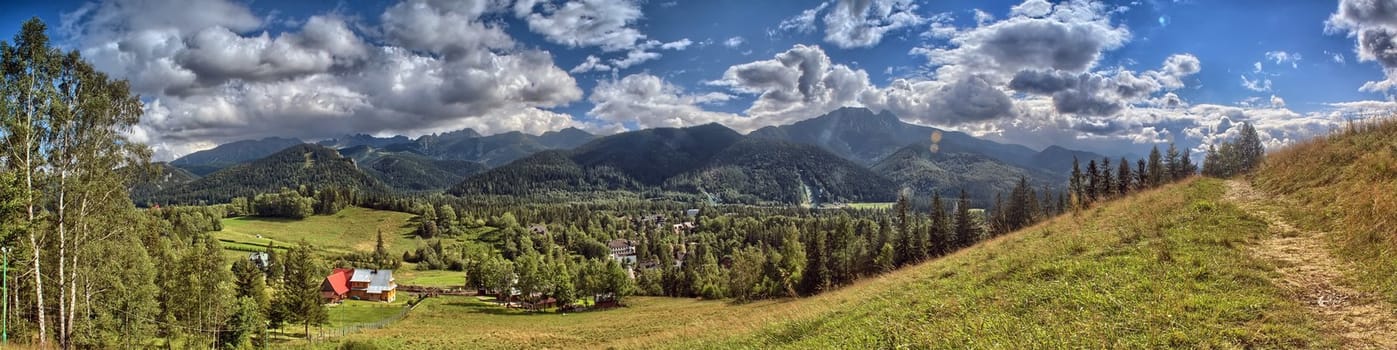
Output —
(355, 328)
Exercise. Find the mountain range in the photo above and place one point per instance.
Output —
(847, 155)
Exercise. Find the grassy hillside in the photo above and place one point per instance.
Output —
(351, 229)
(1345, 184)
(1160, 269)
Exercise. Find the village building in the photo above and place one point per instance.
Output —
(539, 230)
(359, 284)
(261, 259)
(622, 250)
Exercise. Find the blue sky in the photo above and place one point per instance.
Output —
(213, 71)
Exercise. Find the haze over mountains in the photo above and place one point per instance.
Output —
(848, 155)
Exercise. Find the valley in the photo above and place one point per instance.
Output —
(629, 174)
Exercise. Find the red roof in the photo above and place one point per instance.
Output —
(339, 280)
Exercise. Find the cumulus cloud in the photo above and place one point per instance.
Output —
(209, 73)
(799, 83)
(649, 101)
(1374, 24)
(972, 98)
(856, 23)
(1071, 38)
(1032, 8)
(1277, 102)
(863, 23)
(600, 23)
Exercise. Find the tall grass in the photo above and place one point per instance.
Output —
(1345, 183)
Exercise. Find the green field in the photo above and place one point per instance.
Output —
(352, 229)
(353, 312)
(1160, 269)
(430, 278)
(872, 205)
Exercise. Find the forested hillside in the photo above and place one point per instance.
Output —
(208, 161)
(709, 159)
(496, 150)
(411, 171)
(924, 171)
(760, 170)
(301, 165)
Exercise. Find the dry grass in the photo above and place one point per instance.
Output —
(1345, 183)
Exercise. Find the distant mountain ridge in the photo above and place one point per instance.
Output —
(849, 154)
(866, 137)
(710, 159)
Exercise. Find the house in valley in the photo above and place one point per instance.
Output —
(359, 284)
(622, 250)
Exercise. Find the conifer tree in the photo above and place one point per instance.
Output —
(1095, 185)
(966, 233)
(940, 231)
(299, 296)
(1156, 168)
(1123, 176)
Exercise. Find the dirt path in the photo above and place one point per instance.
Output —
(1316, 279)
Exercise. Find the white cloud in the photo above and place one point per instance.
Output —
(1032, 8)
(734, 42)
(1258, 85)
(649, 102)
(982, 17)
(1374, 24)
(1282, 57)
(591, 64)
(634, 57)
(209, 74)
(805, 21)
(1337, 57)
(799, 83)
(1277, 102)
(582, 23)
(863, 23)
(677, 45)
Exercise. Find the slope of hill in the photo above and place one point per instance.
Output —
(917, 168)
(653, 155)
(1059, 160)
(1344, 184)
(544, 172)
(1161, 269)
(159, 177)
(409, 170)
(303, 164)
(760, 169)
(708, 158)
(498, 149)
(208, 161)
